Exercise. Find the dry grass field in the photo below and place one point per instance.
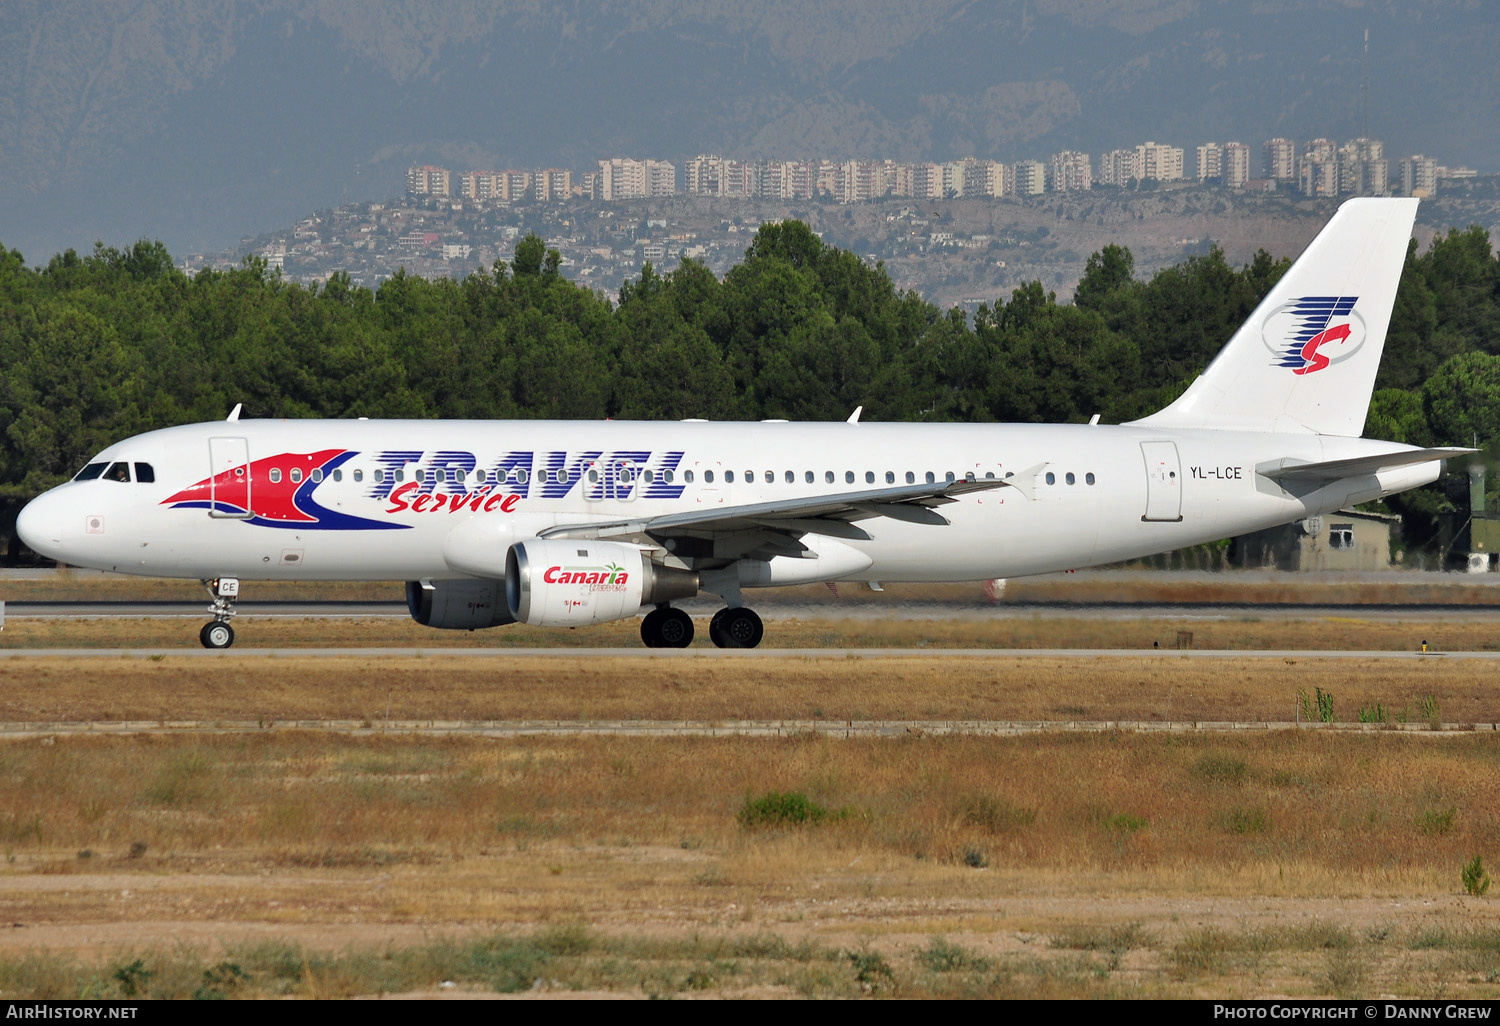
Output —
(282, 861)
(1073, 865)
(1241, 630)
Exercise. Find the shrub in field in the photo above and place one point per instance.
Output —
(1437, 822)
(994, 815)
(1223, 769)
(1373, 713)
(1242, 820)
(943, 957)
(1317, 707)
(781, 808)
(1476, 880)
(1124, 823)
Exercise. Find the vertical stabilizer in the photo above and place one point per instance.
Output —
(1306, 359)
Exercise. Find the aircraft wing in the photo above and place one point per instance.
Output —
(1331, 470)
(832, 515)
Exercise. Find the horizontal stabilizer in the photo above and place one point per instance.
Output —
(1330, 470)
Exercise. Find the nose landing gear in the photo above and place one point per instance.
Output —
(217, 633)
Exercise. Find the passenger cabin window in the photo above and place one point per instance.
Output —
(948, 477)
(144, 473)
(379, 474)
(521, 476)
(338, 475)
(1051, 477)
(593, 476)
(90, 472)
(729, 477)
(1088, 478)
(276, 476)
(708, 477)
(848, 477)
(687, 475)
(1070, 478)
(890, 477)
(828, 476)
(791, 478)
(647, 476)
(296, 475)
(869, 477)
(359, 475)
(316, 475)
(421, 475)
(401, 475)
(931, 477)
(910, 477)
(770, 477)
(809, 477)
(667, 475)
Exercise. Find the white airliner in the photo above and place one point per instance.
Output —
(564, 524)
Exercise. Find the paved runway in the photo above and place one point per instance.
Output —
(699, 728)
(821, 611)
(706, 652)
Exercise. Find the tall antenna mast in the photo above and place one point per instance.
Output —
(1364, 132)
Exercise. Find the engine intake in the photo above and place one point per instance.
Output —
(458, 605)
(567, 583)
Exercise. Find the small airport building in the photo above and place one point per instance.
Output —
(1346, 540)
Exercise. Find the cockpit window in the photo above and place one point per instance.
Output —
(118, 472)
(144, 474)
(90, 472)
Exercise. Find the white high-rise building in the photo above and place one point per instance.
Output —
(1030, 177)
(1119, 167)
(1070, 171)
(428, 180)
(1236, 164)
(1160, 161)
(1210, 162)
(1280, 156)
(1419, 176)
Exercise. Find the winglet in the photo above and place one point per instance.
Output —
(854, 417)
(234, 414)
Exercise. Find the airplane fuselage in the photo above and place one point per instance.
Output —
(384, 500)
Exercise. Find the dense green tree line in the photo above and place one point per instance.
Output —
(98, 347)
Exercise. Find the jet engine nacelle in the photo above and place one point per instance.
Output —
(568, 583)
(458, 605)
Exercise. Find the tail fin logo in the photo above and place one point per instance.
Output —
(1308, 334)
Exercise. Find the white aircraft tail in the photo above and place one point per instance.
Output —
(1306, 359)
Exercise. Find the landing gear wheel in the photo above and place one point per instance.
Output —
(651, 628)
(736, 628)
(675, 630)
(667, 628)
(216, 635)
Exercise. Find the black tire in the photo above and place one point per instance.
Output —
(216, 635)
(674, 630)
(716, 630)
(651, 629)
(740, 628)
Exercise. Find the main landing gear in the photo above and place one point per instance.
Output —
(665, 627)
(736, 627)
(217, 633)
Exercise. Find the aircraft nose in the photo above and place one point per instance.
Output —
(39, 525)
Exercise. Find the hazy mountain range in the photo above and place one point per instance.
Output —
(199, 122)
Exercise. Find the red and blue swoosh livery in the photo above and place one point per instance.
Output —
(1313, 329)
(287, 503)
